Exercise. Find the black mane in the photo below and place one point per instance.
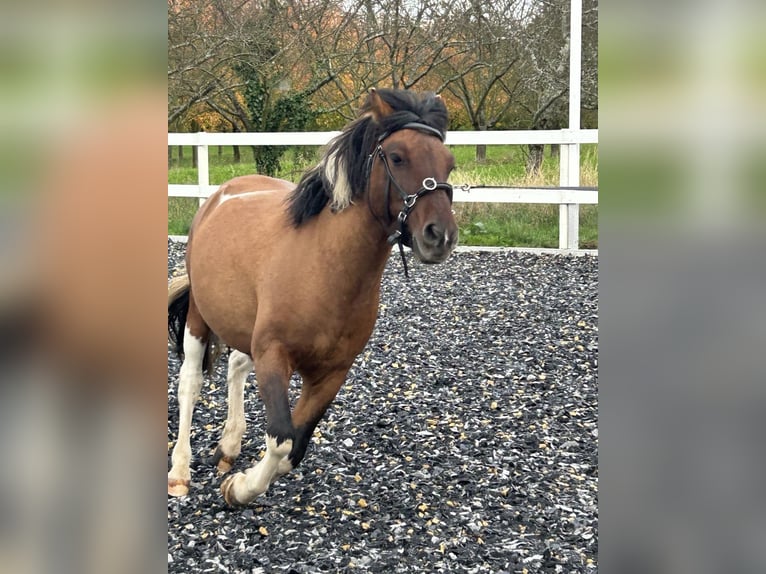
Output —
(349, 150)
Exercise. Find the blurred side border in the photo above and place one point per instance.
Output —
(682, 319)
(83, 186)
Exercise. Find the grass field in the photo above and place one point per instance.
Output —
(523, 225)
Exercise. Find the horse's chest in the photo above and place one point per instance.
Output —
(340, 337)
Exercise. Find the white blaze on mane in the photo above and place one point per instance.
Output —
(341, 189)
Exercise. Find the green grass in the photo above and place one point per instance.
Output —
(521, 225)
(222, 167)
(181, 210)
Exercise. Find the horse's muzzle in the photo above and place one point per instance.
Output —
(434, 243)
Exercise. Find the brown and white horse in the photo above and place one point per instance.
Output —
(289, 277)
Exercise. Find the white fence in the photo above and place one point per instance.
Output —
(568, 196)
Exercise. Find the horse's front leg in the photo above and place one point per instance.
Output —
(272, 372)
(317, 394)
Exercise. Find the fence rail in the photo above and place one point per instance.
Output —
(568, 196)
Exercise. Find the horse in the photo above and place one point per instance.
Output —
(288, 277)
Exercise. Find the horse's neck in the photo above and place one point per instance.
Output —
(356, 244)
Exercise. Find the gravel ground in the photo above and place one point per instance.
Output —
(464, 440)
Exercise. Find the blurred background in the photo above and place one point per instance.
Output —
(682, 310)
(82, 258)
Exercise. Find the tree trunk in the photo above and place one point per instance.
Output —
(535, 159)
(480, 124)
(235, 148)
(555, 150)
(220, 150)
(170, 157)
(194, 128)
(180, 155)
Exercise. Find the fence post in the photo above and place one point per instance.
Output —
(569, 169)
(203, 167)
(569, 213)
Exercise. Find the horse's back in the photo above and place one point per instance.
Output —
(248, 198)
(245, 213)
(242, 190)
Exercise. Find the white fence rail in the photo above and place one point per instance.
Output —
(568, 196)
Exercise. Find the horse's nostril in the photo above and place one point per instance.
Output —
(433, 233)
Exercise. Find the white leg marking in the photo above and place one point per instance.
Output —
(240, 366)
(285, 466)
(189, 385)
(256, 480)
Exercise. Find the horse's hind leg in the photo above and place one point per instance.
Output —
(229, 448)
(189, 385)
(273, 374)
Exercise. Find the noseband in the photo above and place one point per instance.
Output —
(409, 200)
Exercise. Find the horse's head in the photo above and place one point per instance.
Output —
(408, 170)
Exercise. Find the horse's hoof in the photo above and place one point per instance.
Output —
(224, 465)
(178, 487)
(223, 462)
(228, 496)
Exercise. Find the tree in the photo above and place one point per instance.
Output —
(272, 113)
(246, 60)
(482, 77)
(255, 65)
(545, 70)
(195, 56)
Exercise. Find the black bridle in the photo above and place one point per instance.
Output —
(409, 200)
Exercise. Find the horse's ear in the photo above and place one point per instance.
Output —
(377, 106)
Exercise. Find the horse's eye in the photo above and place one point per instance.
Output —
(396, 159)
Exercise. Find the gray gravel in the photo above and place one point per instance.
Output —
(464, 440)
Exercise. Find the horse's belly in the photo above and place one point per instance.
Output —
(223, 297)
(231, 321)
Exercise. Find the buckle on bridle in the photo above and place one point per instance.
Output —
(394, 237)
(429, 183)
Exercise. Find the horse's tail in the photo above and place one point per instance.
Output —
(178, 308)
